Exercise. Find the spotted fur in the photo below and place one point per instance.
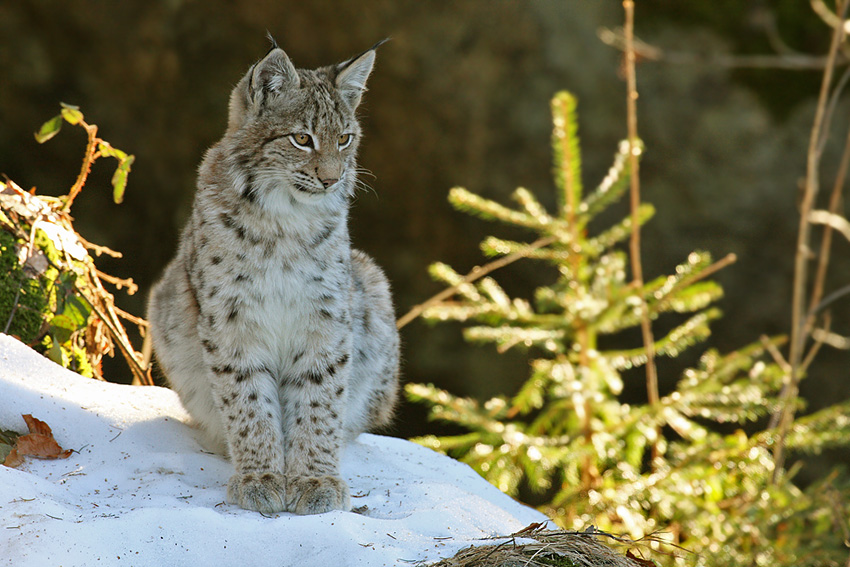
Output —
(279, 338)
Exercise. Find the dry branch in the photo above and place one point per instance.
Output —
(25, 210)
(535, 546)
(647, 52)
(634, 180)
(800, 330)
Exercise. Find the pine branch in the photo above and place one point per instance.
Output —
(507, 337)
(619, 232)
(473, 275)
(532, 206)
(492, 246)
(486, 209)
(567, 156)
(615, 184)
(694, 330)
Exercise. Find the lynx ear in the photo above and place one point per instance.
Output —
(352, 74)
(273, 74)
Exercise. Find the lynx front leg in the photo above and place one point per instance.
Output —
(313, 409)
(250, 408)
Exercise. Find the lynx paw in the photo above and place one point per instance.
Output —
(316, 494)
(262, 492)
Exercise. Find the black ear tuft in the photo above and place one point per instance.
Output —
(379, 44)
(341, 66)
(272, 74)
(351, 75)
(272, 40)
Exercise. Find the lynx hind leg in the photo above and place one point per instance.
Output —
(173, 316)
(375, 372)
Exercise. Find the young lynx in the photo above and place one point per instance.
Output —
(278, 337)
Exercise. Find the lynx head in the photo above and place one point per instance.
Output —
(295, 129)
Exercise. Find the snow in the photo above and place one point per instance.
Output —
(140, 491)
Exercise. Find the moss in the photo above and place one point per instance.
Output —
(31, 296)
(34, 301)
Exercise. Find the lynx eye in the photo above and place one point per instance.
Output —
(344, 141)
(301, 141)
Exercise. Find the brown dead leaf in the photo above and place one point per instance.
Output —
(13, 459)
(39, 445)
(39, 442)
(35, 425)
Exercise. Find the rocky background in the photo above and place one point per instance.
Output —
(458, 97)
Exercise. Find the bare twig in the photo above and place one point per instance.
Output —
(476, 273)
(831, 221)
(830, 18)
(766, 19)
(830, 299)
(140, 374)
(120, 283)
(830, 109)
(98, 249)
(130, 317)
(88, 160)
(637, 268)
(14, 309)
(775, 354)
(820, 340)
(648, 52)
(799, 332)
(834, 340)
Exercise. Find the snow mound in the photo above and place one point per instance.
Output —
(140, 490)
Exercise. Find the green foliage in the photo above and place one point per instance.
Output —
(47, 298)
(97, 148)
(119, 178)
(42, 307)
(631, 468)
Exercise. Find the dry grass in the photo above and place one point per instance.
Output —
(536, 546)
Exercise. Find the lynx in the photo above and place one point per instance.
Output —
(279, 337)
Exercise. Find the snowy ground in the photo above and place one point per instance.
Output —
(140, 491)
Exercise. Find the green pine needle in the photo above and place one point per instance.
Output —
(568, 437)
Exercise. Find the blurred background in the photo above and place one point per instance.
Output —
(460, 96)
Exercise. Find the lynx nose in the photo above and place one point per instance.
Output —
(328, 182)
